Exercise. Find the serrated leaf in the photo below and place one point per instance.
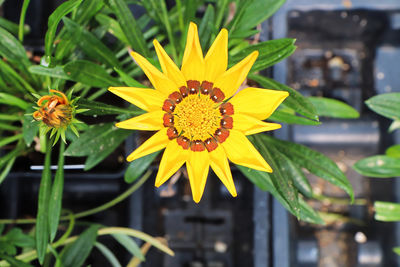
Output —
(56, 72)
(280, 176)
(386, 105)
(387, 211)
(90, 44)
(129, 244)
(54, 20)
(288, 116)
(129, 26)
(89, 73)
(137, 167)
(379, 166)
(42, 223)
(75, 254)
(315, 162)
(56, 195)
(333, 108)
(295, 100)
(393, 151)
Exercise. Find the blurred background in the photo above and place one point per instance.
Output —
(347, 50)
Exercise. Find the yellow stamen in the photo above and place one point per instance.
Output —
(197, 117)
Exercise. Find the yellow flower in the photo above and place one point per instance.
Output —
(198, 117)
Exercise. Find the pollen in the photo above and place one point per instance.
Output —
(197, 117)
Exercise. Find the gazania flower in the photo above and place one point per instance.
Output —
(57, 113)
(199, 116)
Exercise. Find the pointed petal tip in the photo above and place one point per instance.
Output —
(196, 199)
(192, 25)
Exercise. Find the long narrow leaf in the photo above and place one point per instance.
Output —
(108, 254)
(42, 223)
(129, 26)
(130, 245)
(54, 20)
(56, 194)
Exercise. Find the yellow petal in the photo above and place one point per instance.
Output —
(160, 82)
(220, 165)
(193, 62)
(240, 151)
(151, 121)
(168, 66)
(197, 167)
(216, 59)
(250, 125)
(173, 158)
(230, 80)
(256, 102)
(144, 98)
(157, 142)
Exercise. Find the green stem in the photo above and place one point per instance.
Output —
(333, 217)
(10, 139)
(22, 20)
(105, 206)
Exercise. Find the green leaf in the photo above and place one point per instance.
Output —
(393, 151)
(130, 245)
(281, 176)
(97, 143)
(207, 26)
(14, 262)
(99, 108)
(333, 108)
(253, 12)
(54, 20)
(74, 255)
(42, 223)
(386, 105)
(137, 167)
(56, 72)
(11, 48)
(108, 254)
(128, 80)
(378, 166)
(396, 250)
(270, 52)
(12, 27)
(288, 116)
(113, 27)
(22, 20)
(263, 181)
(300, 181)
(29, 128)
(56, 195)
(387, 211)
(10, 139)
(16, 237)
(129, 26)
(295, 100)
(89, 73)
(313, 161)
(90, 44)
(13, 101)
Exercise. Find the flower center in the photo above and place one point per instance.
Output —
(196, 116)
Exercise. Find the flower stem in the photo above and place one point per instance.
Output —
(105, 206)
